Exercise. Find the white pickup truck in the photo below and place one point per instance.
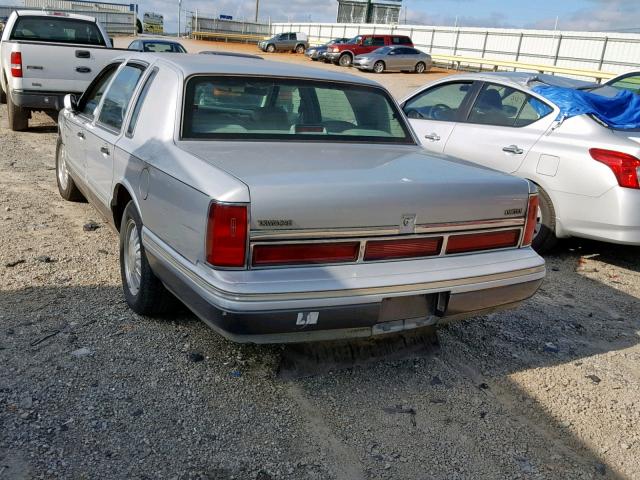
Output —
(44, 56)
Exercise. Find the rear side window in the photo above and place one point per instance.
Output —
(57, 29)
(504, 106)
(118, 96)
(630, 82)
(140, 101)
(438, 103)
(401, 41)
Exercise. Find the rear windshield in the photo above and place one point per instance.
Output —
(57, 29)
(288, 109)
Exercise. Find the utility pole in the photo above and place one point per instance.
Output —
(179, 9)
(257, 9)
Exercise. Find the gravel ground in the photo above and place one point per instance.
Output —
(90, 390)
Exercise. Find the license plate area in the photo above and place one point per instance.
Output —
(407, 308)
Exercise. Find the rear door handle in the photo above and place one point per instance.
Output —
(80, 135)
(83, 54)
(434, 137)
(104, 150)
(513, 149)
(83, 70)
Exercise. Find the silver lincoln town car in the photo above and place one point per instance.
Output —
(284, 204)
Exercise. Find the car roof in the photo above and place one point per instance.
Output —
(194, 64)
(54, 13)
(157, 40)
(523, 80)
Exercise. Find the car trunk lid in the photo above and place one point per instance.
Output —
(296, 186)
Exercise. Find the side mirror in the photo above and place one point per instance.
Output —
(70, 102)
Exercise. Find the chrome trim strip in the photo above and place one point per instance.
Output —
(259, 235)
(157, 250)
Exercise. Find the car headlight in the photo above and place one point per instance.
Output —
(335, 49)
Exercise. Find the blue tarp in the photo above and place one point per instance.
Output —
(621, 111)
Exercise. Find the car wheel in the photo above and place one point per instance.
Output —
(345, 60)
(544, 237)
(300, 49)
(18, 117)
(314, 59)
(66, 186)
(3, 95)
(144, 292)
(378, 67)
(271, 48)
(420, 67)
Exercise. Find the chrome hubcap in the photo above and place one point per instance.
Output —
(420, 68)
(63, 173)
(538, 222)
(132, 257)
(378, 67)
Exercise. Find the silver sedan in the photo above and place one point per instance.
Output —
(284, 203)
(588, 173)
(394, 58)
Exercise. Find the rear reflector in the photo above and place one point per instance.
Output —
(473, 242)
(227, 235)
(305, 253)
(532, 217)
(625, 167)
(16, 64)
(406, 248)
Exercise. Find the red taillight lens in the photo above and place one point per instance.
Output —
(305, 253)
(530, 224)
(396, 249)
(16, 64)
(625, 167)
(227, 235)
(473, 242)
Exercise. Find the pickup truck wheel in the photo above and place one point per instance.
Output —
(345, 60)
(300, 48)
(144, 292)
(271, 48)
(544, 238)
(18, 117)
(66, 185)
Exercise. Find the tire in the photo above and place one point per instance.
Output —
(3, 95)
(420, 67)
(378, 67)
(144, 292)
(271, 48)
(314, 59)
(545, 238)
(18, 117)
(299, 49)
(66, 186)
(345, 60)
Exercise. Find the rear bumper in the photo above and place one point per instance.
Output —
(266, 316)
(35, 100)
(612, 217)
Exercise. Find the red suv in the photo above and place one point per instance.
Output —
(344, 53)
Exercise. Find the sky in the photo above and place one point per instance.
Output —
(591, 15)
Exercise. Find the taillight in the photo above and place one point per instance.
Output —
(16, 64)
(625, 167)
(305, 253)
(406, 248)
(472, 242)
(532, 219)
(227, 235)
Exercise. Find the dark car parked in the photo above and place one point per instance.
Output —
(318, 52)
(157, 46)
